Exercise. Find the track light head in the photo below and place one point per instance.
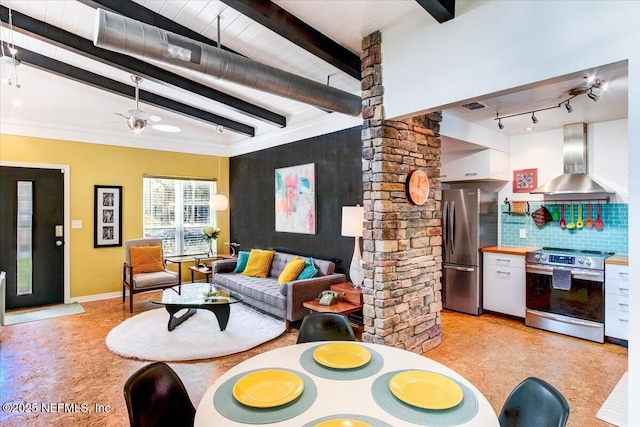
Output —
(568, 107)
(219, 128)
(500, 125)
(534, 119)
(593, 96)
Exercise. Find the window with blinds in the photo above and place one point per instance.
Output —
(176, 211)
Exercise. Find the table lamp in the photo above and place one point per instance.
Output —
(352, 226)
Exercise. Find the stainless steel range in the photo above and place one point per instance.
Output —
(565, 292)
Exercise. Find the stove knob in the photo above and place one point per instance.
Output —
(580, 261)
(544, 257)
(537, 257)
(587, 261)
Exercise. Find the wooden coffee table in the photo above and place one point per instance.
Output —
(193, 298)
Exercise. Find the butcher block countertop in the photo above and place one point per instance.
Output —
(509, 250)
(618, 259)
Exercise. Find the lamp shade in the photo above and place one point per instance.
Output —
(219, 202)
(352, 220)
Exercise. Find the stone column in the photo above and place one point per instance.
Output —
(402, 242)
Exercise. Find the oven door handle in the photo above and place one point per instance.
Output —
(549, 271)
(565, 320)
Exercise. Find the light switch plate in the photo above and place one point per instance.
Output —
(523, 233)
(76, 223)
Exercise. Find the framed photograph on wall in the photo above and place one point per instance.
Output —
(107, 227)
(525, 180)
(295, 204)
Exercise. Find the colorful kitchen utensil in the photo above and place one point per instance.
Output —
(579, 222)
(563, 223)
(571, 225)
(599, 223)
(589, 222)
(555, 215)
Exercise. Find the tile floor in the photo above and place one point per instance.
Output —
(65, 360)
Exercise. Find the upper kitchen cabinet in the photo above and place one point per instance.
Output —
(488, 164)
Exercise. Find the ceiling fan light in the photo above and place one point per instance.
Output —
(136, 124)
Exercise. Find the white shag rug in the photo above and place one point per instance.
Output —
(145, 336)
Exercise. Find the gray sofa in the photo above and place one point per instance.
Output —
(266, 294)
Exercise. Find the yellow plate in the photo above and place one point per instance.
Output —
(343, 423)
(426, 390)
(342, 355)
(268, 388)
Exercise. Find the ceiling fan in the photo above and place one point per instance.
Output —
(137, 119)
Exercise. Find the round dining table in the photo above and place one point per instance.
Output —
(337, 396)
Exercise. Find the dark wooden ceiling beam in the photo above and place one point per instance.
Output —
(66, 40)
(140, 13)
(441, 10)
(298, 32)
(62, 69)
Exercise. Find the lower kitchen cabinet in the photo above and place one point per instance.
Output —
(616, 314)
(504, 284)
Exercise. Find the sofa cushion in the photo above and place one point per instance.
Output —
(259, 263)
(256, 288)
(292, 270)
(243, 257)
(146, 259)
(309, 270)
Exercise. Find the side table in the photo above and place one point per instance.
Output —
(350, 301)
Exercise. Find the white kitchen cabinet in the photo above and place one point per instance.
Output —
(503, 284)
(616, 314)
(475, 165)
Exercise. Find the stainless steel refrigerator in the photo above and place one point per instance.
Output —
(469, 223)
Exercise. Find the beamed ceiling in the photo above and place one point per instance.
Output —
(71, 89)
(67, 82)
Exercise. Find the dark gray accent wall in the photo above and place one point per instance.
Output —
(338, 160)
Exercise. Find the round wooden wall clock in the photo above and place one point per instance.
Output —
(417, 187)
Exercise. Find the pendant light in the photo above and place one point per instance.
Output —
(219, 202)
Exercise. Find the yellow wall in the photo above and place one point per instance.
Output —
(99, 270)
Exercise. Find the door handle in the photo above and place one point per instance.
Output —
(467, 269)
(445, 224)
(59, 242)
(452, 219)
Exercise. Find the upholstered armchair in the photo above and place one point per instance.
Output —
(145, 269)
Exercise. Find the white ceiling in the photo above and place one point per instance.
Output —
(50, 102)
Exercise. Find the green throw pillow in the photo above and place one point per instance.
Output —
(309, 270)
(241, 264)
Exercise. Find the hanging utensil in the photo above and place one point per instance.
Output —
(563, 223)
(579, 223)
(599, 223)
(589, 222)
(571, 225)
(555, 215)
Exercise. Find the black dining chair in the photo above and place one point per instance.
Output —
(321, 326)
(533, 403)
(156, 396)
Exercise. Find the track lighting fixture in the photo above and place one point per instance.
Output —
(568, 107)
(219, 128)
(594, 82)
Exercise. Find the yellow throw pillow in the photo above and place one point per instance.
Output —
(292, 270)
(146, 259)
(259, 263)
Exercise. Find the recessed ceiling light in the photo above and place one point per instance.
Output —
(154, 118)
(529, 128)
(167, 128)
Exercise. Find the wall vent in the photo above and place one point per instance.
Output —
(475, 105)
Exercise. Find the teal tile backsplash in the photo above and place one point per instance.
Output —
(614, 237)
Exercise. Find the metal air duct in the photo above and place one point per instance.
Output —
(127, 36)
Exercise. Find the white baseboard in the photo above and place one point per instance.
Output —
(97, 297)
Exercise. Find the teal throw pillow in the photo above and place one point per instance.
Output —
(241, 264)
(309, 270)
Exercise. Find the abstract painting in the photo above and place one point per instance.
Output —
(296, 199)
(525, 180)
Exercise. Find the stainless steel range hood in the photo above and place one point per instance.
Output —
(575, 179)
